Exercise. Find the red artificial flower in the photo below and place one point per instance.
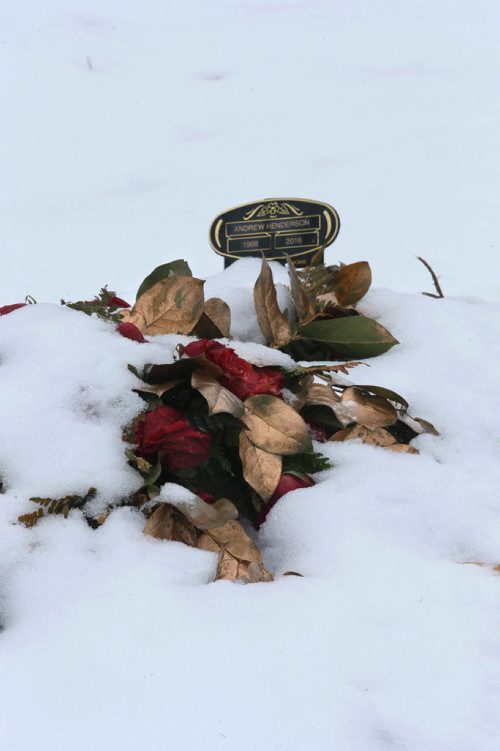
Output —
(168, 432)
(238, 375)
(225, 357)
(259, 381)
(117, 302)
(130, 331)
(287, 483)
(9, 308)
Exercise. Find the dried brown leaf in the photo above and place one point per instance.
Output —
(205, 542)
(319, 393)
(371, 411)
(303, 305)
(215, 321)
(219, 312)
(208, 516)
(239, 557)
(158, 389)
(261, 470)
(135, 317)
(172, 306)
(274, 325)
(377, 437)
(275, 426)
(352, 282)
(403, 448)
(179, 370)
(427, 426)
(168, 523)
(218, 398)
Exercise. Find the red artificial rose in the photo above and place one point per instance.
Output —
(9, 308)
(225, 357)
(259, 381)
(168, 432)
(117, 302)
(238, 375)
(287, 483)
(130, 331)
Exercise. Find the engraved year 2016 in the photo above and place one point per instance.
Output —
(293, 240)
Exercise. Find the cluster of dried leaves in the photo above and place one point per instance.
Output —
(324, 324)
(171, 301)
(214, 529)
(258, 440)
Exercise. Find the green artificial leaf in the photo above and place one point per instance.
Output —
(305, 464)
(174, 268)
(351, 337)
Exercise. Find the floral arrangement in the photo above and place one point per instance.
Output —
(236, 435)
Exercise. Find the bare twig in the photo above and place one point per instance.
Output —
(434, 279)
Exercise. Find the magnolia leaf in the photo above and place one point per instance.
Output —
(208, 516)
(304, 307)
(168, 523)
(158, 389)
(274, 325)
(417, 424)
(377, 437)
(261, 470)
(220, 313)
(275, 426)
(218, 398)
(179, 370)
(371, 411)
(174, 268)
(129, 315)
(319, 393)
(172, 306)
(352, 336)
(352, 282)
(402, 448)
(239, 558)
(386, 394)
(427, 426)
(327, 299)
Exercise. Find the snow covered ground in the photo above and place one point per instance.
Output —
(114, 640)
(126, 128)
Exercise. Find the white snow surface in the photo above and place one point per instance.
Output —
(116, 641)
(126, 127)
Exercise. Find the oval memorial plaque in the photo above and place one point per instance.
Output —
(274, 227)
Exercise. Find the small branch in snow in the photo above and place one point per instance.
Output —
(434, 279)
(89, 64)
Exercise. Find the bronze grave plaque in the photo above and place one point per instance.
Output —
(273, 228)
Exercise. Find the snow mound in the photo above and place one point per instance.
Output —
(388, 640)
